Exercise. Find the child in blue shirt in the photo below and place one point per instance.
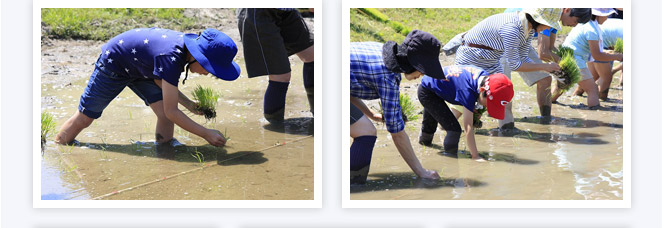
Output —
(142, 59)
(465, 85)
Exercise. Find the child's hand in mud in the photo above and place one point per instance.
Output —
(479, 159)
(430, 174)
(215, 138)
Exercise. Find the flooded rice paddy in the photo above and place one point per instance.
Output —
(117, 158)
(577, 155)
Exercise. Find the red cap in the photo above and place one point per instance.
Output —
(499, 92)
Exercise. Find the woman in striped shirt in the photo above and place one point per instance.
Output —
(508, 35)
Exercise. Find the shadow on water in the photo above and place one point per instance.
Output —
(568, 122)
(182, 153)
(393, 181)
(580, 138)
(491, 156)
(293, 126)
(603, 107)
(242, 158)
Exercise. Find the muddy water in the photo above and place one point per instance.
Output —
(117, 152)
(578, 155)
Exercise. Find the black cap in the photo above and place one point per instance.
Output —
(423, 53)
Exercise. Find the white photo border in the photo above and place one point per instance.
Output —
(345, 103)
(36, 107)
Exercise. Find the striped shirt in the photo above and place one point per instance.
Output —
(504, 33)
(370, 79)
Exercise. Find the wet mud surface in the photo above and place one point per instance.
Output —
(575, 155)
(117, 158)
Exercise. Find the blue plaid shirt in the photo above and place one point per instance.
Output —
(370, 79)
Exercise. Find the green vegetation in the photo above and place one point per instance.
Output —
(200, 157)
(105, 23)
(207, 100)
(619, 45)
(476, 117)
(562, 51)
(442, 23)
(408, 108)
(397, 26)
(47, 126)
(569, 72)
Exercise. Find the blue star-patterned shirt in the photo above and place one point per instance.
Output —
(146, 53)
(370, 79)
(462, 87)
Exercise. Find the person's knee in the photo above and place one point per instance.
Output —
(307, 55)
(363, 127)
(280, 77)
(544, 83)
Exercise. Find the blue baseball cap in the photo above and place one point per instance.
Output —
(214, 51)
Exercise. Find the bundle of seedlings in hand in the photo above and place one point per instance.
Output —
(207, 100)
(619, 45)
(47, 126)
(408, 109)
(562, 51)
(476, 120)
(569, 72)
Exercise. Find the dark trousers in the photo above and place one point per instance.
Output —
(436, 111)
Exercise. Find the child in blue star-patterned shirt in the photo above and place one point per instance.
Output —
(141, 59)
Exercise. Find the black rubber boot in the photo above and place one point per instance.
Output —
(359, 176)
(426, 139)
(276, 117)
(310, 96)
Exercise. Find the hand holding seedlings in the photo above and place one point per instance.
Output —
(207, 99)
(215, 138)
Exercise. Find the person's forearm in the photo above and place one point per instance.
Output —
(182, 99)
(402, 142)
(361, 106)
(186, 123)
(468, 120)
(529, 67)
(185, 101)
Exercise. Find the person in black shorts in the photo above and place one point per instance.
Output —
(269, 36)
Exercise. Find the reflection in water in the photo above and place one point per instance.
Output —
(58, 182)
(574, 155)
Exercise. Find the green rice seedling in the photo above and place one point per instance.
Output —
(198, 156)
(225, 134)
(563, 51)
(47, 126)
(569, 72)
(408, 109)
(476, 119)
(619, 45)
(207, 99)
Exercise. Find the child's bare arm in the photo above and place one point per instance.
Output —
(170, 98)
(468, 119)
(183, 100)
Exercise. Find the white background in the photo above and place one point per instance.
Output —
(16, 176)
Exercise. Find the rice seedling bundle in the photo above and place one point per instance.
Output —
(408, 109)
(47, 126)
(207, 99)
(562, 51)
(476, 120)
(619, 45)
(569, 72)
